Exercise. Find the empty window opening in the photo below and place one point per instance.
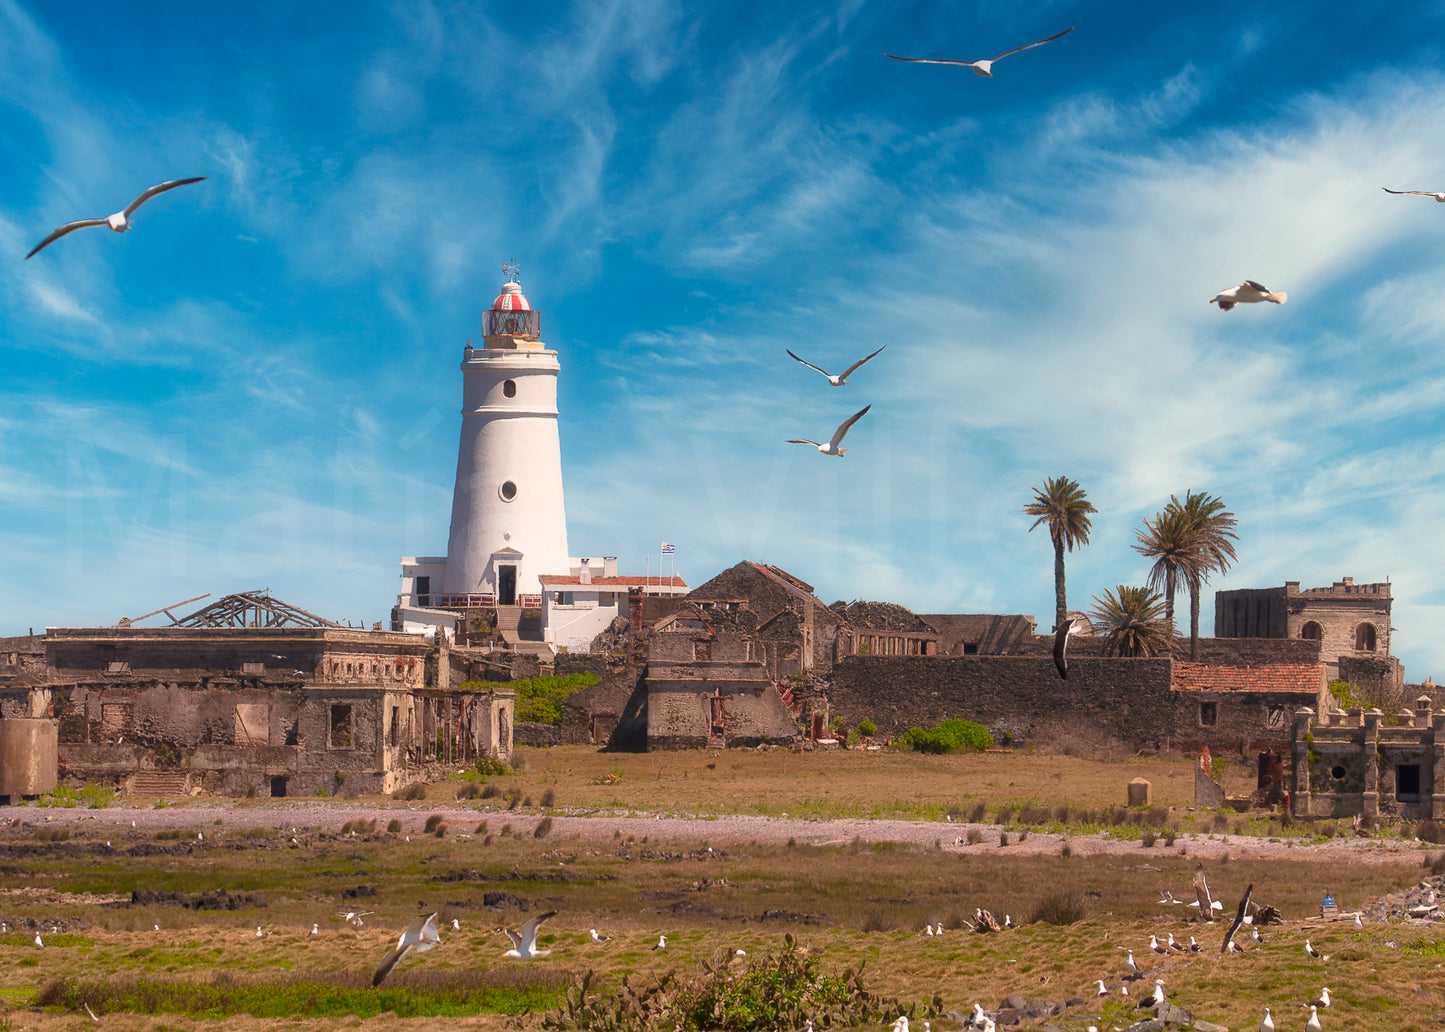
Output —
(1407, 782)
(1208, 713)
(278, 786)
(395, 720)
(1365, 637)
(118, 666)
(423, 591)
(1312, 631)
(341, 725)
(1338, 772)
(509, 490)
(509, 388)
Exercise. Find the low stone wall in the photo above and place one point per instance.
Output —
(530, 733)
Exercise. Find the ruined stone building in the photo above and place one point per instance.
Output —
(279, 710)
(793, 630)
(884, 629)
(979, 634)
(1350, 621)
(1369, 763)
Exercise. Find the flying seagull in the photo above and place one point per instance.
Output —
(1438, 195)
(524, 942)
(1238, 918)
(420, 936)
(1201, 890)
(831, 448)
(836, 379)
(1246, 293)
(120, 221)
(1061, 645)
(983, 68)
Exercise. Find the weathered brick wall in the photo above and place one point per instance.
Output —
(1380, 676)
(679, 713)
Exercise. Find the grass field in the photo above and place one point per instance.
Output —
(848, 905)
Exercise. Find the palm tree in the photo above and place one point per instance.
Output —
(1134, 621)
(1062, 505)
(1167, 540)
(1211, 538)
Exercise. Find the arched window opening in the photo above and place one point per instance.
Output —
(1312, 631)
(1365, 637)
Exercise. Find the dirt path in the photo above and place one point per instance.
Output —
(673, 827)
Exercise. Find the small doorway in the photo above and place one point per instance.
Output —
(278, 786)
(719, 719)
(506, 586)
(1407, 782)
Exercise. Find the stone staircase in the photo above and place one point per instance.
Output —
(160, 783)
(521, 629)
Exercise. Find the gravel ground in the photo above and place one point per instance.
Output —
(674, 827)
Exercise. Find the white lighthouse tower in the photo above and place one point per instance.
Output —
(509, 525)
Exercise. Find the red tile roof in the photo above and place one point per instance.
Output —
(1296, 678)
(556, 580)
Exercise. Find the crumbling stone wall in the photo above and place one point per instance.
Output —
(1129, 701)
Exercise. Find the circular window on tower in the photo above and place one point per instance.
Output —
(509, 388)
(508, 490)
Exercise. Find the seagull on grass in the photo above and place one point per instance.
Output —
(1154, 999)
(832, 447)
(524, 942)
(1156, 945)
(1266, 1023)
(120, 221)
(1103, 989)
(1313, 1025)
(1438, 195)
(1131, 963)
(420, 936)
(1247, 292)
(836, 379)
(1313, 953)
(39, 942)
(984, 67)
(1323, 1000)
(661, 943)
(598, 938)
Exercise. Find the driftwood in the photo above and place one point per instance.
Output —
(1267, 915)
(984, 922)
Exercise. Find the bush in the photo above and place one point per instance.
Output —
(469, 791)
(867, 728)
(549, 798)
(490, 791)
(408, 793)
(978, 813)
(543, 827)
(1060, 908)
(1430, 831)
(539, 699)
(393, 826)
(949, 736)
(432, 822)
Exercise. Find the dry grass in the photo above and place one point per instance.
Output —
(850, 902)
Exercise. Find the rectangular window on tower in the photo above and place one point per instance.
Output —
(423, 591)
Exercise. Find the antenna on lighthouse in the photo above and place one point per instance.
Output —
(511, 270)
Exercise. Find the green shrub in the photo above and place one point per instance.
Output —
(867, 728)
(539, 699)
(949, 736)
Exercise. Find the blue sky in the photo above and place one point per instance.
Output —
(258, 386)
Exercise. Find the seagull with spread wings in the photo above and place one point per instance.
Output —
(420, 936)
(1439, 195)
(120, 221)
(1062, 634)
(983, 67)
(1201, 890)
(1248, 292)
(832, 446)
(524, 942)
(836, 379)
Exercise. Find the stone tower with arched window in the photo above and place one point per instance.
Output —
(1349, 620)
